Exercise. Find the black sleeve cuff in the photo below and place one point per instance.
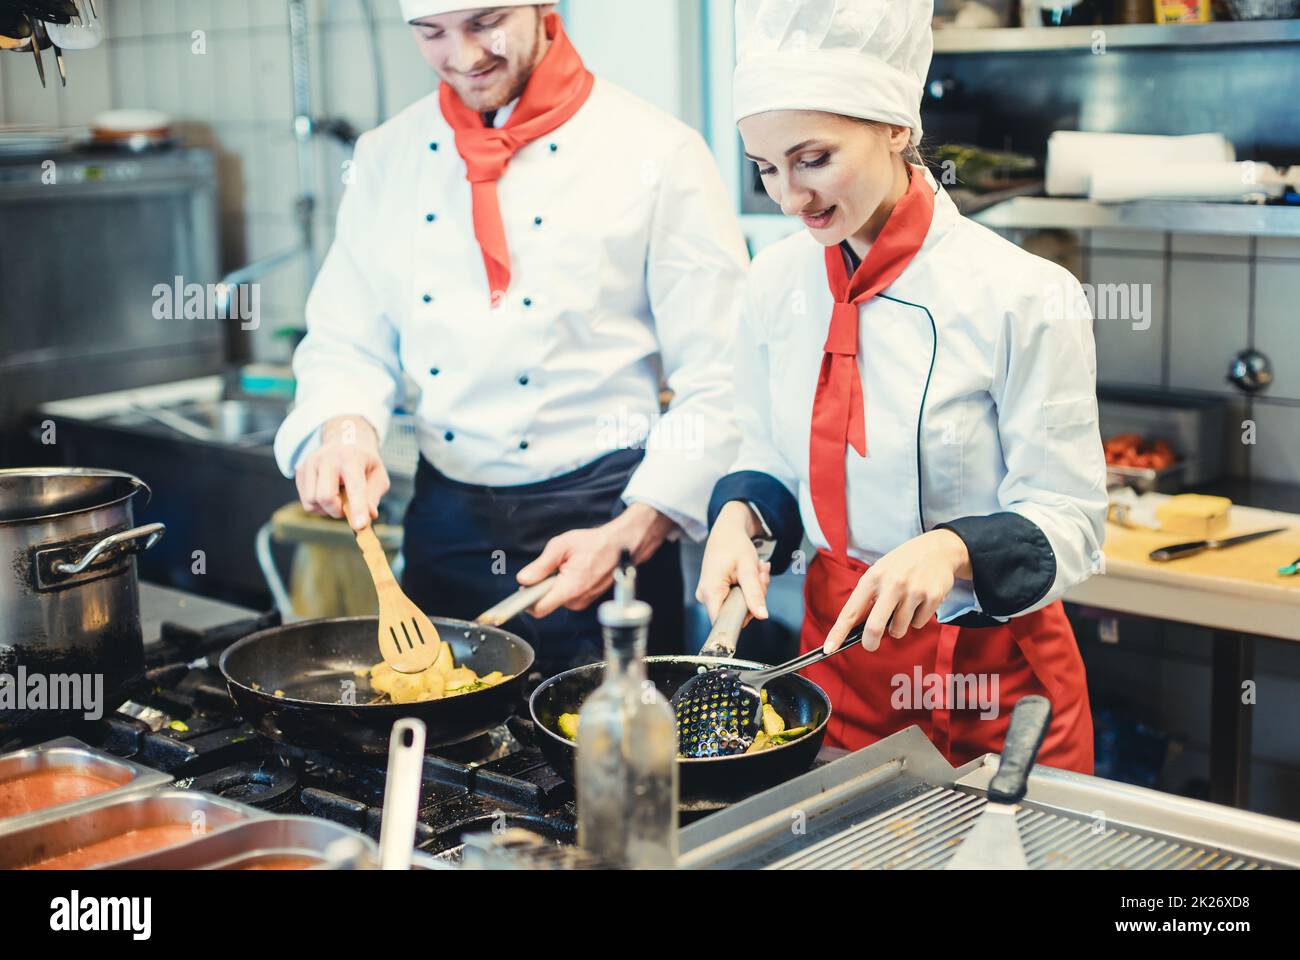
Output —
(778, 506)
(1012, 561)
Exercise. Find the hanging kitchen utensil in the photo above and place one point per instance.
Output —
(720, 712)
(63, 68)
(994, 842)
(1178, 550)
(49, 11)
(15, 29)
(36, 48)
(401, 794)
(408, 640)
(84, 32)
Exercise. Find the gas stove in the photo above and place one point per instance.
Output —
(180, 720)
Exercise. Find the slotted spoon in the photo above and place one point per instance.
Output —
(720, 712)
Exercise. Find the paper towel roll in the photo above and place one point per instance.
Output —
(1114, 183)
(1073, 155)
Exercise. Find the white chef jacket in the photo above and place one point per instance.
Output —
(979, 374)
(627, 265)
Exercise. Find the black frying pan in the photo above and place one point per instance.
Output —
(310, 661)
(706, 783)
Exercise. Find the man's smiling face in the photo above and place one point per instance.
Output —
(485, 54)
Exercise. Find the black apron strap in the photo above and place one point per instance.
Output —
(465, 543)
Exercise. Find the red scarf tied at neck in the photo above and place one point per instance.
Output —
(839, 418)
(557, 89)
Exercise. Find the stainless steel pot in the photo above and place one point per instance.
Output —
(69, 602)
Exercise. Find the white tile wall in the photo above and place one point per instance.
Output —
(1277, 324)
(1276, 454)
(1125, 354)
(1279, 247)
(1126, 240)
(1209, 310)
(1210, 245)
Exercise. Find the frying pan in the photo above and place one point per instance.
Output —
(704, 783)
(707, 783)
(310, 661)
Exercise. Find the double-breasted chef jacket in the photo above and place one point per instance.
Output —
(626, 269)
(978, 372)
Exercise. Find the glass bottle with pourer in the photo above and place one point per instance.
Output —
(627, 745)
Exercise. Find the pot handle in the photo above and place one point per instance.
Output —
(153, 531)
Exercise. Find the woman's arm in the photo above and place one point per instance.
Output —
(1048, 535)
(758, 495)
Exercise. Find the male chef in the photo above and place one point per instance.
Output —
(535, 250)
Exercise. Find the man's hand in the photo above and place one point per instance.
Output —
(903, 589)
(586, 559)
(347, 459)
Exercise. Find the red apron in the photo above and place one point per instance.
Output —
(1035, 653)
(874, 694)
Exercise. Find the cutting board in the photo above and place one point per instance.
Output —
(1248, 569)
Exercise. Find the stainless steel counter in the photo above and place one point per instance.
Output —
(159, 605)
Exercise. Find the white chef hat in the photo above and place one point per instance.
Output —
(857, 58)
(419, 9)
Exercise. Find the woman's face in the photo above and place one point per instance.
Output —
(832, 172)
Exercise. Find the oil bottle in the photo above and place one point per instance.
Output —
(627, 745)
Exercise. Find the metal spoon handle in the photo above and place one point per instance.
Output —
(757, 678)
(401, 794)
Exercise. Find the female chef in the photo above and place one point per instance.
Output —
(915, 392)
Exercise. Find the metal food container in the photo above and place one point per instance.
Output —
(245, 845)
(1194, 425)
(1146, 479)
(71, 755)
(205, 814)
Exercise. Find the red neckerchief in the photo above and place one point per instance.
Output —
(839, 418)
(557, 89)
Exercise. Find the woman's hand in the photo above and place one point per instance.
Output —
(902, 589)
(731, 558)
(347, 459)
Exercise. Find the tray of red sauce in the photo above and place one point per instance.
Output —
(268, 843)
(55, 778)
(119, 831)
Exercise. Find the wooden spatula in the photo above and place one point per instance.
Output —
(408, 641)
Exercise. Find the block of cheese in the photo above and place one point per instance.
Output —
(1194, 514)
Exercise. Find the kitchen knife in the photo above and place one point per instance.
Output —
(994, 841)
(1177, 550)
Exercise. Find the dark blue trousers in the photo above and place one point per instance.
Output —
(464, 544)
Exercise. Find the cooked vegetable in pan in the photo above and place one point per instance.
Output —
(773, 734)
(443, 679)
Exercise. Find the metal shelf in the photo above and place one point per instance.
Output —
(1155, 216)
(955, 40)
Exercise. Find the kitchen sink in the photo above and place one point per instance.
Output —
(237, 422)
